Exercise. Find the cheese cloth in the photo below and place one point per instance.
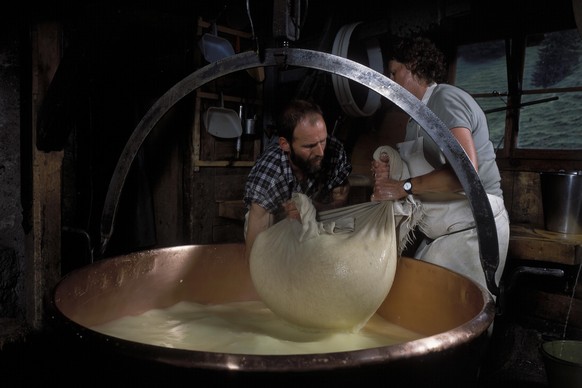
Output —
(331, 272)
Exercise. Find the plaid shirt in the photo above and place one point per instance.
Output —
(271, 181)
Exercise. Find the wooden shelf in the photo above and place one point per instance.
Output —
(203, 24)
(198, 160)
(209, 151)
(530, 243)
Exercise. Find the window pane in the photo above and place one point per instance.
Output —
(494, 109)
(552, 60)
(481, 69)
(551, 125)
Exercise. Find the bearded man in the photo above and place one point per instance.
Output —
(305, 160)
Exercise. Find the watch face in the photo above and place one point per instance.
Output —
(407, 186)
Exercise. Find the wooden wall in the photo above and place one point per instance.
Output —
(522, 195)
(557, 301)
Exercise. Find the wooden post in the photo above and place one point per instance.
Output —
(43, 243)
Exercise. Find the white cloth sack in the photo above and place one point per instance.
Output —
(332, 273)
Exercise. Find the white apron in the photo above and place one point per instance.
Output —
(452, 240)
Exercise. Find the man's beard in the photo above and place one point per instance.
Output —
(309, 167)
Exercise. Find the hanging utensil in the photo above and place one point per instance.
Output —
(214, 47)
(239, 139)
(223, 122)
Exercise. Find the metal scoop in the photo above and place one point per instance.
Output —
(214, 47)
(223, 122)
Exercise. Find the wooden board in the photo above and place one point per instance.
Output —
(523, 198)
(529, 243)
(552, 307)
(234, 210)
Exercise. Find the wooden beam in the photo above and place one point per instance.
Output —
(43, 243)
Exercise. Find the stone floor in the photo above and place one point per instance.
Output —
(515, 360)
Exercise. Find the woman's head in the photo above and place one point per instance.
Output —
(419, 55)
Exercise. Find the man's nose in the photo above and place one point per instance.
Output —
(318, 149)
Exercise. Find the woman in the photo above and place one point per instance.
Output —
(451, 237)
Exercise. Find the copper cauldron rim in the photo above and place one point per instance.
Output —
(456, 337)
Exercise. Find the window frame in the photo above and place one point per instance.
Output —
(510, 154)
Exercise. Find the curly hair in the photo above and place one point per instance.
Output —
(421, 57)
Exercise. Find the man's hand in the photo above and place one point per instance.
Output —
(291, 210)
(339, 195)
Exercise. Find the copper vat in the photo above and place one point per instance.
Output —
(453, 313)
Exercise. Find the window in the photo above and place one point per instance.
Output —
(481, 71)
(550, 101)
(552, 83)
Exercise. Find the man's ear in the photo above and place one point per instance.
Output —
(284, 144)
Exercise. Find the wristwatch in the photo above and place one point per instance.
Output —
(408, 186)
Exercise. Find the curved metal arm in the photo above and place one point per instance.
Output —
(454, 153)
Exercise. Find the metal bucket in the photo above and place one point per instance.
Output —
(451, 311)
(563, 363)
(562, 201)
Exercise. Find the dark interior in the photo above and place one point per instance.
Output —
(80, 76)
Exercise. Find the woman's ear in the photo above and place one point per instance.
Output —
(284, 144)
